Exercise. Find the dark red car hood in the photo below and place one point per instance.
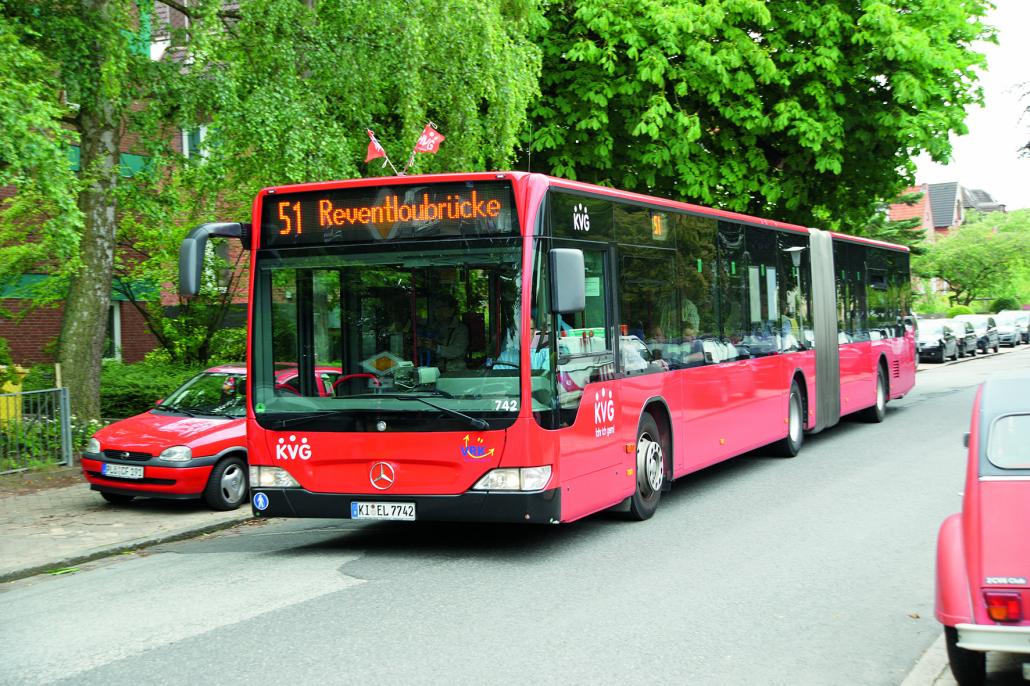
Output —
(152, 432)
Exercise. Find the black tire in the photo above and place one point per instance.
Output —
(954, 355)
(790, 445)
(227, 486)
(997, 347)
(116, 498)
(961, 350)
(941, 359)
(876, 413)
(650, 470)
(969, 667)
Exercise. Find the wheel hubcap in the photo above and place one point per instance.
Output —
(233, 484)
(650, 464)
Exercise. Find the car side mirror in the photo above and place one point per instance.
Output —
(965, 440)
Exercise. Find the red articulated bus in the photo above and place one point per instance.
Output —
(515, 347)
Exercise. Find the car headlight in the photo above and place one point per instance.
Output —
(177, 453)
(271, 477)
(93, 446)
(515, 479)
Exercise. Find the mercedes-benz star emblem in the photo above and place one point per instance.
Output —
(381, 475)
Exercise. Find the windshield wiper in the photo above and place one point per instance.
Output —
(308, 416)
(474, 422)
(175, 408)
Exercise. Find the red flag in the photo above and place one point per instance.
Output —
(429, 141)
(374, 149)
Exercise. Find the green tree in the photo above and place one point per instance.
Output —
(803, 110)
(979, 259)
(285, 90)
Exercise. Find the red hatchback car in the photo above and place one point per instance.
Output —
(983, 554)
(191, 445)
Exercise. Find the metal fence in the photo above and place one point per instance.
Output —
(35, 430)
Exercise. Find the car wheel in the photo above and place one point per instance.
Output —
(117, 498)
(227, 486)
(997, 347)
(954, 355)
(790, 445)
(650, 470)
(961, 351)
(967, 666)
(878, 411)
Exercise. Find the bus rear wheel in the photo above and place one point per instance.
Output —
(790, 445)
(878, 411)
(650, 471)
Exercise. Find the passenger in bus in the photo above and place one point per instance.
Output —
(451, 341)
(693, 354)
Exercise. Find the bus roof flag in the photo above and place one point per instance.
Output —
(430, 140)
(374, 149)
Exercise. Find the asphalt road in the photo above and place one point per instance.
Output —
(815, 570)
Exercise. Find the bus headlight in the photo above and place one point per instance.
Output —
(515, 479)
(271, 477)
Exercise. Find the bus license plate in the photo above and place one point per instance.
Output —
(402, 511)
(123, 471)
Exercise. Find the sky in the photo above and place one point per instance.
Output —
(987, 157)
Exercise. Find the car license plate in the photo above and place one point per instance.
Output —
(123, 471)
(402, 511)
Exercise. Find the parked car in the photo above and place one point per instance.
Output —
(935, 341)
(1010, 328)
(965, 336)
(190, 445)
(986, 330)
(983, 554)
(1023, 320)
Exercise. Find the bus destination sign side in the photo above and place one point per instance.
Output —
(386, 213)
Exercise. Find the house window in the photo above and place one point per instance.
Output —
(193, 142)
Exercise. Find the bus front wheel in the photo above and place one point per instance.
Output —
(650, 471)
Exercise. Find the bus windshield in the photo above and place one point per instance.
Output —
(372, 330)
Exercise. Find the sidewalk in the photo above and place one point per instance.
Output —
(56, 528)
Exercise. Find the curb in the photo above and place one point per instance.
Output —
(118, 548)
(932, 665)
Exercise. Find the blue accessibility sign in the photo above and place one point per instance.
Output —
(260, 501)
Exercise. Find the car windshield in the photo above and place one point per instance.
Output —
(437, 321)
(218, 394)
(931, 329)
(1005, 319)
(1009, 444)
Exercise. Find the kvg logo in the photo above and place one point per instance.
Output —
(604, 413)
(580, 218)
(292, 450)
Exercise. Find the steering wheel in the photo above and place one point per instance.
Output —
(360, 375)
(506, 364)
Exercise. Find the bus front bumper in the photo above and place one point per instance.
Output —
(540, 507)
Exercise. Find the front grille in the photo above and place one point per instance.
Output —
(127, 455)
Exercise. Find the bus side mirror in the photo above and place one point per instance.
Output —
(191, 252)
(568, 280)
(965, 440)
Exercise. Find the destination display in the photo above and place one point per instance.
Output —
(382, 213)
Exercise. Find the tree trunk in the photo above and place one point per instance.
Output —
(89, 295)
